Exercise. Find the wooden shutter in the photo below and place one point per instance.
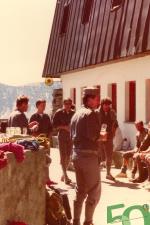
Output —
(132, 101)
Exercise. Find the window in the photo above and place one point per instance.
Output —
(112, 93)
(65, 19)
(116, 4)
(99, 88)
(130, 101)
(73, 95)
(82, 88)
(87, 8)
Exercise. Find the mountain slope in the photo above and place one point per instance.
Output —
(8, 95)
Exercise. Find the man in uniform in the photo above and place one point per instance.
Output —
(61, 121)
(107, 119)
(141, 159)
(18, 118)
(43, 119)
(85, 135)
(45, 128)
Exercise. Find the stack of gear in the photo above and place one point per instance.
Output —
(57, 208)
(17, 149)
(14, 138)
(27, 141)
(17, 144)
(29, 144)
(43, 140)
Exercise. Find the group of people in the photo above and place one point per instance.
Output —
(80, 134)
(140, 156)
(92, 131)
(86, 136)
(38, 123)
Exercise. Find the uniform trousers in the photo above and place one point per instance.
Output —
(107, 148)
(88, 185)
(65, 148)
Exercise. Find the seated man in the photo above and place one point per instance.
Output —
(142, 132)
(142, 159)
(145, 157)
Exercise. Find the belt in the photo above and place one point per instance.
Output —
(88, 152)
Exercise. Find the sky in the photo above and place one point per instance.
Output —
(24, 34)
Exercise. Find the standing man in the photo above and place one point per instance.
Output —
(44, 127)
(43, 119)
(18, 118)
(107, 119)
(61, 121)
(85, 135)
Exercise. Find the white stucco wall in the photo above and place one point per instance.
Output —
(119, 72)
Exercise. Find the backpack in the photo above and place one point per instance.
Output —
(55, 211)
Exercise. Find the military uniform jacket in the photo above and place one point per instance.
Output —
(62, 118)
(45, 126)
(140, 136)
(18, 119)
(109, 119)
(85, 129)
(146, 143)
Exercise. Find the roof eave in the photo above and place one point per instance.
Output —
(58, 75)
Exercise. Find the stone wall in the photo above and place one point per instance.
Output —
(22, 189)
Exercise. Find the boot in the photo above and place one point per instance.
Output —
(143, 172)
(88, 223)
(138, 180)
(110, 177)
(76, 222)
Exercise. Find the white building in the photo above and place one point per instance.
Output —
(105, 44)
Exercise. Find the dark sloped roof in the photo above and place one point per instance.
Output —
(108, 35)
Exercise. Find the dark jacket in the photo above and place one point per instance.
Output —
(18, 119)
(107, 118)
(140, 136)
(62, 118)
(146, 143)
(45, 126)
(85, 129)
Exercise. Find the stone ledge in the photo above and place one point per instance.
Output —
(22, 189)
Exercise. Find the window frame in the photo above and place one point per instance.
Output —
(65, 20)
(130, 103)
(86, 12)
(112, 93)
(73, 95)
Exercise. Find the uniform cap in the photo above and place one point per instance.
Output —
(90, 91)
